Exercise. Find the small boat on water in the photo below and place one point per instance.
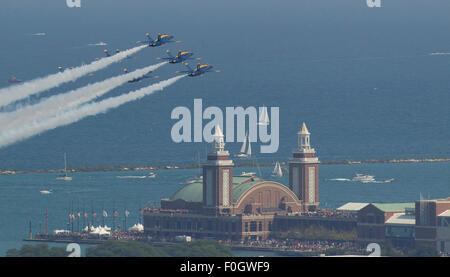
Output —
(150, 175)
(248, 174)
(243, 153)
(277, 171)
(199, 178)
(64, 177)
(45, 191)
(364, 178)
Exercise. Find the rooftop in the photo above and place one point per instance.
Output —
(393, 207)
(445, 214)
(402, 219)
(194, 192)
(352, 206)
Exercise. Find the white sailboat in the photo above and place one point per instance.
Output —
(243, 153)
(277, 171)
(263, 117)
(64, 177)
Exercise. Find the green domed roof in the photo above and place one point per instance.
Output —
(194, 192)
(190, 193)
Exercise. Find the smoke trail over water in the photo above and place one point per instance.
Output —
(68, 117)
(52, 105)
(17, 92)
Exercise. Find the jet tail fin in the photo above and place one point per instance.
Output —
(169, 54)
(149, 39)
(188, 67)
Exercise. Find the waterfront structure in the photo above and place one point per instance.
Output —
(400, 228)
(404, 225)
(228, 206)
(427, 214)
(304, 172)
(443, 232)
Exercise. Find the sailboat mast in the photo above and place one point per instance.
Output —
(249, 150)
(65, 164)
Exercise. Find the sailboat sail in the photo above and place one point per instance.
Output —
(244, 144)
(277, 171)
(64, 177)
(263, 116)
(249, 149)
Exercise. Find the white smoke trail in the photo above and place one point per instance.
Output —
(17, 92)
(71, 116)
(52, 105)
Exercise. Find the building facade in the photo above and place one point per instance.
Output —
(227, 206)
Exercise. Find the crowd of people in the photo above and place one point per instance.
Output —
(329, 213)
(300, 245)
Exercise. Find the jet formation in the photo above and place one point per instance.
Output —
(13, 80)
(182, 56)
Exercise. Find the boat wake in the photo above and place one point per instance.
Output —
(131, 177)
(361, 178)
(340, 179)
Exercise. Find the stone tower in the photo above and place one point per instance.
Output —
(304, 172)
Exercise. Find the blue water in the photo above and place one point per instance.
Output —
(21, 200)
(361, 78)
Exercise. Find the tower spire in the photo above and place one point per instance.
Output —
(218, 177)
(303, 171)
(219, 142)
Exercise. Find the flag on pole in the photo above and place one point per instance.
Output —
(116, 213)
(127, 213)
(141, 211)
(105, 214)
(85, 215)
(94, 214)
(79, 214)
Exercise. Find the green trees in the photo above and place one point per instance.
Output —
(200, 248)
(317, 233)
(38, 250)
(124, 249)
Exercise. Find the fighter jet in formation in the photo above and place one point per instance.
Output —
(139, 79)
(107, 54)
(180, 57)
(199, 70)
(13, 79)
(160, 40)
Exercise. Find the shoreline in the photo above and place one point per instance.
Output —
(234, 247)
(195, 166)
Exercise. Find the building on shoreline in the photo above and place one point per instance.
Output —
(227, 206)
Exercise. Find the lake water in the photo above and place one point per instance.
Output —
(21, 200)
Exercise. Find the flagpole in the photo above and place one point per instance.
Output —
(72, 216)
(78, 215)
(125, 223)
(103, 214)
(46, 221)
(114, 216)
